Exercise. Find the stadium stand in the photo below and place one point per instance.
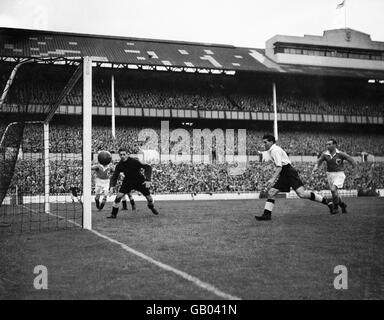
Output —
(196, 92)
(65, 137)
(193, 178)
(300, 91)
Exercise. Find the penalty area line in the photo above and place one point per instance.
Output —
(196, 281)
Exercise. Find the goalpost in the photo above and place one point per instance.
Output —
(87, 142)
(46, 174)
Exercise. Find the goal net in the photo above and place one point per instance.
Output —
(41, 150)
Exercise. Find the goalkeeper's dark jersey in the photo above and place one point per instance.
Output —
(131, 168)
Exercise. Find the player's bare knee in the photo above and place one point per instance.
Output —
(271, 194)
(301, 193)
(304, 194)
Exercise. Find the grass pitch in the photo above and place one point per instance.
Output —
(219, 242)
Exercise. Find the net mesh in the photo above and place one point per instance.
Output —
(39, 190)
(9, 151)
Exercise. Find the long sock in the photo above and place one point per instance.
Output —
(114, 211)
(318, 198)
(269, 204)
(124, 202)
(97, 202)
(336, 201)
(132, 202)
(103, 203)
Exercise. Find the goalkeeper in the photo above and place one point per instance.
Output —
(133, 180)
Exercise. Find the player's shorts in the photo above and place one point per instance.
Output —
(288, 178)
(336, 179)
(128, 186)
(102, 186)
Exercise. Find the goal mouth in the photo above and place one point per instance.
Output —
(35, 193)
(41, 149)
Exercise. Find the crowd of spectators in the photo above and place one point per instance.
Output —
(29, 176)
(66, 138)
(197, 92)
(206, 178)
(310, 105)
(192, 178)
(188, 177)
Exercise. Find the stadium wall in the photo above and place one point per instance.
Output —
(349, 40)
(180, 158)
(63, 198)
(229, 159)
(300, 59)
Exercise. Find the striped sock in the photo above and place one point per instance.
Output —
(269, 204)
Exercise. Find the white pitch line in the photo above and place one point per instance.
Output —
(55, 215)
(184, 275)
(196, 281)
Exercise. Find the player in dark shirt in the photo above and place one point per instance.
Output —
(133, 180)
(335, 172)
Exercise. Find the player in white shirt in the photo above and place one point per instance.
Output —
(284, 177)
(102, 176)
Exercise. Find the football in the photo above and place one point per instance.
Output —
(104, 158)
